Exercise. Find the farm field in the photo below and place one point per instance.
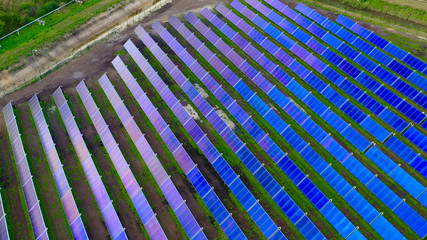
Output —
(241, 120)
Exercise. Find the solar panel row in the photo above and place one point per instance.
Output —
(4, 233)
(61, 182)
(175, 200)
(25, 177)
(326, 143)
(132, 187)
(233, 181)
(363, 98)
(400, 176)
(384, 44)
(289, 168)
(206, 192)
(359, 57)
(408, 155)
(104, 202)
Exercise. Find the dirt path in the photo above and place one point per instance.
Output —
(93, 63)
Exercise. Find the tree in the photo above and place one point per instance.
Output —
(2, 28)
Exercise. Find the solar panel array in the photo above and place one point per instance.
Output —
(347, 105)
(25, 177)
(404, 179)
(103, 201)
(278, 156)
(399, 175)
(185, 217)
(387, 46)
(129, 181)
(236, 144)
(230, 178)
(359, 57)
(67, 199)
(335, 179)
(4, 233)
(217, 208)
(375, 107)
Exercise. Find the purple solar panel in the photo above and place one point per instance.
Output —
(186, 164)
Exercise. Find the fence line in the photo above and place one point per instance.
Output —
(28, 24)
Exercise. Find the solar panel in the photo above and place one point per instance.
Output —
(132, 187)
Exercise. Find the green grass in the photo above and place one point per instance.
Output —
(58, 25)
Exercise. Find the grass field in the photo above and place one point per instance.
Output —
(58, 26)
